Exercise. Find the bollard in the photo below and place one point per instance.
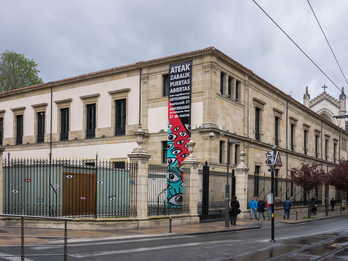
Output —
(296, 215)
(170, 224)
(341, 209)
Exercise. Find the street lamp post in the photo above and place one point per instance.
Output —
(227, 188)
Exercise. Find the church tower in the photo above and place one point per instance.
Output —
(306, 98)
(327, 106)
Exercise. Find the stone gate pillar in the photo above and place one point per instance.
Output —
(190, 190)
(140, 156)
(242, 182)
(1, 182)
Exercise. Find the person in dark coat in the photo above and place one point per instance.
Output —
(234, 210)
(287, 205)
(332, 203)
(261, 208)
(313, 206)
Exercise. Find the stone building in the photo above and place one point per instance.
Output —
(99, 113)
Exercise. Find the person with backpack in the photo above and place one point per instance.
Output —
(234, 210)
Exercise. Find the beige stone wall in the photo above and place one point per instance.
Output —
(212, 112)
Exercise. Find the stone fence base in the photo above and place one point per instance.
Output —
(106, 223)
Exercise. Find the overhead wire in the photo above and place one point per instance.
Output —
(297, 45)
(327, 41)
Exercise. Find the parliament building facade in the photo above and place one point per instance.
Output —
(98, 113)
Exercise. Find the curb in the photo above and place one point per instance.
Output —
(221, 231)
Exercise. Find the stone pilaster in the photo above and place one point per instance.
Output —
(140, 156)
(190, 190)
(242, 182)
(1, 182)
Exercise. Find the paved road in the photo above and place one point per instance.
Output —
(305, 242)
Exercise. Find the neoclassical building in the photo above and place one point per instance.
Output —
(99, 112)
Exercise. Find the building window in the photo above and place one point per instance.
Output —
(291, 189)
(64, 124)
(276, 131)
(326, 149)
(19, 125)
(41, 126)
(335, 149)
(164, 151)
(119, 165)
(166, 85)
(1, 130)
(292, 134)
(237, 90)
(90, 131)
(236, 154)
(316, 146)
(222, 77)
(305, 134)
(221, 152)
(257, 124)
(229, 90)
(256, 180)
(120, 128)
(344, 143)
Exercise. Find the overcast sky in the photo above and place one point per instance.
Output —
(69, 38)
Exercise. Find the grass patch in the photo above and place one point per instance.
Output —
(308, 217)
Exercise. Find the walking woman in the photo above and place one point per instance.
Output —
(234, 210)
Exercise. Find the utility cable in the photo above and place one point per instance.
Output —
(297, 45)
(327, 41)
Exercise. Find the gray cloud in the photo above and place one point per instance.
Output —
(68, 38)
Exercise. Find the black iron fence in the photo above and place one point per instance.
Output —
(259, 186)
(165, 190)
(70, 188)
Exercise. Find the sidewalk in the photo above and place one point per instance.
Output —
(44, 236)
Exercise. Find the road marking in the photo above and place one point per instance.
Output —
(114, 252)
(107, 243)
(12, 257)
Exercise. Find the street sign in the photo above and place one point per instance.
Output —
(278, 161)
(269, 158)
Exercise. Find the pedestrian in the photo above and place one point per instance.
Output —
(313, 206)
(234, 210)
(253, 207)
(229, 208)
(269, 210)
(343, 204)
(261, 208)
(332, 203)
(287, 205)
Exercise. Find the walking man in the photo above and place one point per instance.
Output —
(287, 205)
(253, 208)
(261, 208)
(343, 204)
(332, 203)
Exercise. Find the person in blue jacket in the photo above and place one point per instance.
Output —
(253, 208)
(287, 205)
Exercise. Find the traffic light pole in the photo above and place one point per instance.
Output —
(272, 193)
